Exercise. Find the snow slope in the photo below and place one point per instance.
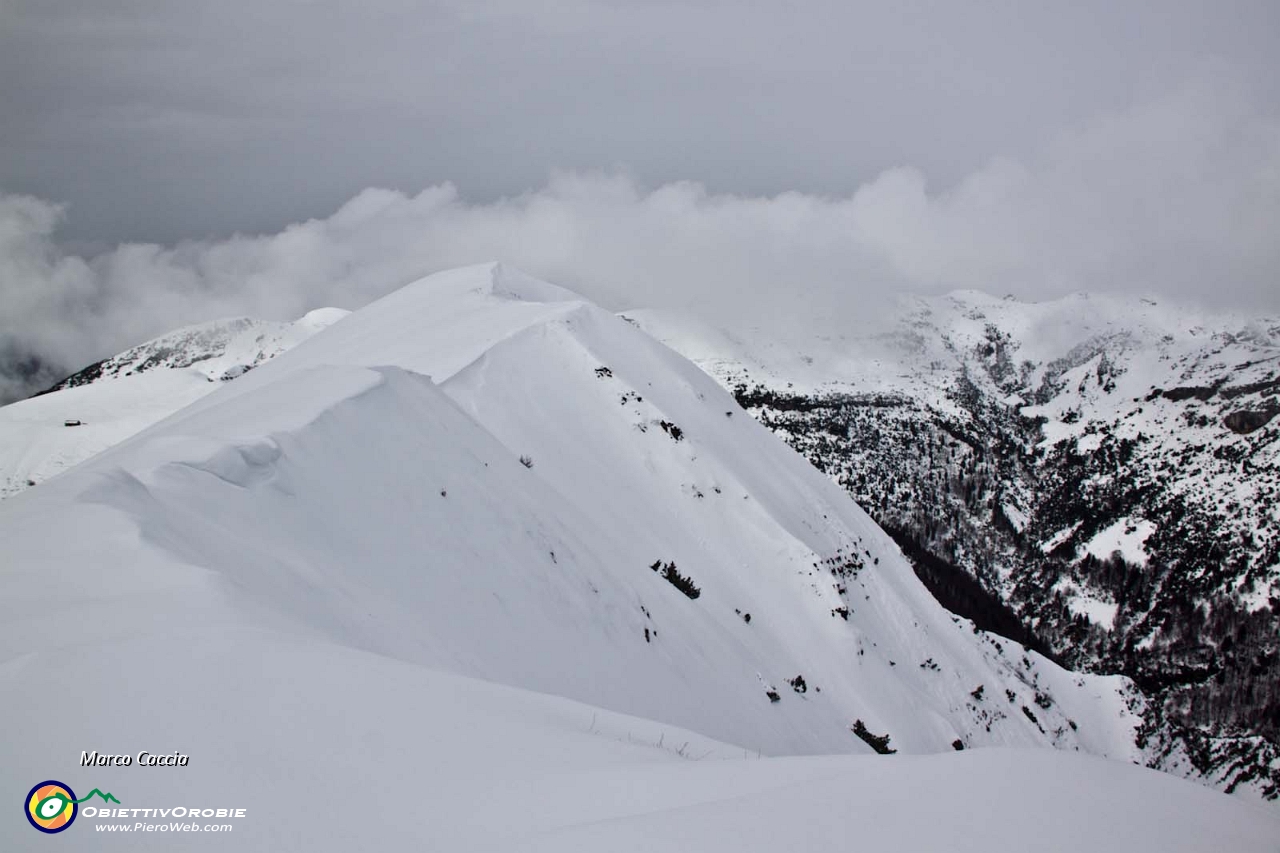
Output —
(331, 749)
(122, 395)
(277, 578)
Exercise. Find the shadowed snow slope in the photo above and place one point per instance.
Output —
(276, 579)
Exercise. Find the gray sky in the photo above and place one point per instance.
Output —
(690, 152)
(165, 119)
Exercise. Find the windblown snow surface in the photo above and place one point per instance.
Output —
(393, 590)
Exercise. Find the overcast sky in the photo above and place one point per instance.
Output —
(684, 152)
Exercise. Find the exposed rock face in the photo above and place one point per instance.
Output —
(1246, 421)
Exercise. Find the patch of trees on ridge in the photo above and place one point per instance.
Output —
(684, 583)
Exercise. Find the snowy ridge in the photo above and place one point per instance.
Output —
(765, 543)
(461, 481)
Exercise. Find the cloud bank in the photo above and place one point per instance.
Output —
(1179, 196)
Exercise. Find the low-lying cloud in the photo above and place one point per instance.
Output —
(1179, 197)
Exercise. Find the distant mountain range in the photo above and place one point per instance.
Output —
(1107, 470)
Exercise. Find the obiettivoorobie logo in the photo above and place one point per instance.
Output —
(52, 806)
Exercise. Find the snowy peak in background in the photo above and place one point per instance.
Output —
(218, 350)
(918, 338)
(107, 402)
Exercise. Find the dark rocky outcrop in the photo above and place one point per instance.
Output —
(1246, 421)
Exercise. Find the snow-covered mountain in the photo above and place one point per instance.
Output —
(111, 400)
(296, 578)
(1108, 467)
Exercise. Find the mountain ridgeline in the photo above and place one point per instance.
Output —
(488, 475)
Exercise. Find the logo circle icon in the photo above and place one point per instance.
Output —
(51, 806)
